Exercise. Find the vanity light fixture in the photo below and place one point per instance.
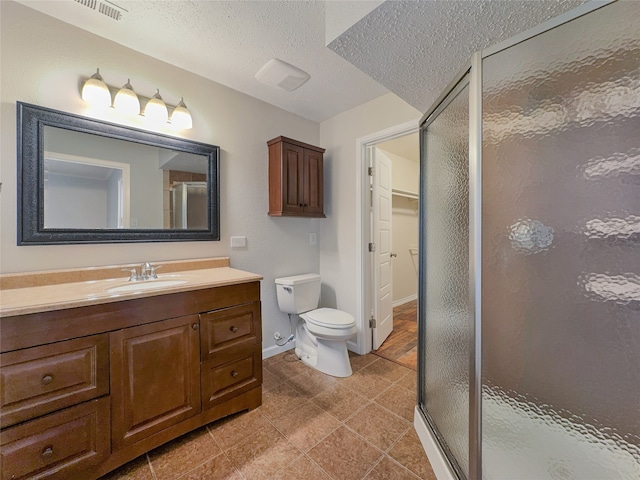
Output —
(96, 92)
(126, 100)
(156, 110)
(181, 117)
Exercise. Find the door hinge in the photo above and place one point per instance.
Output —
(372, 171)
(372, 322)
(372, 247)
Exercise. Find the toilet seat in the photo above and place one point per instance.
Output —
(329, 318)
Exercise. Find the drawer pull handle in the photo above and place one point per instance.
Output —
(195, 326)
(47, 379)
(234, 329)
(234, 374)
(48, 451)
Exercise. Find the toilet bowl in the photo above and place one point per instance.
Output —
(321, 333)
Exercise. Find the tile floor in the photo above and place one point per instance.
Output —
(402, 344)
(310, 426)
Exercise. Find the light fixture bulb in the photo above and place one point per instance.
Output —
(181, 117)
(95, 92)
(156, 110)
(126, 100)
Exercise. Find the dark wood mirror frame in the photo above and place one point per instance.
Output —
(31, 121)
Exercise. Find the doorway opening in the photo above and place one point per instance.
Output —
(388, 173)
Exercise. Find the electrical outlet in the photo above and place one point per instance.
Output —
(313, 239)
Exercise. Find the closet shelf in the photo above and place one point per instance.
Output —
(404, 193)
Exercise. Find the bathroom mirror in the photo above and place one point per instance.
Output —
(82, 180)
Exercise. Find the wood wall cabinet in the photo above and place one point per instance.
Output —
(85, 390)
(296, 186)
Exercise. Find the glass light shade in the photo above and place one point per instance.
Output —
(156, 110)
(181, 117)
(126, 100)
(95, 92)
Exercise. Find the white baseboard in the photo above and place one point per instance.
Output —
(275, 349)
(404, 300)
(437, 459)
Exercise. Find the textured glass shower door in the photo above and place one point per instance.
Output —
(444, 285)
(560, 252)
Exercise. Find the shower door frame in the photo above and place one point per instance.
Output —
(422, 418)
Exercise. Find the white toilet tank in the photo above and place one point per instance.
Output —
(299, 293)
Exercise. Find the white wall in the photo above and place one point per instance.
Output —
(338, 235)
(45, 61)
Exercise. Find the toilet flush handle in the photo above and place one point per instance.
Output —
(288, 289)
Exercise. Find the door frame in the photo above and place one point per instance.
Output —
(363, 341)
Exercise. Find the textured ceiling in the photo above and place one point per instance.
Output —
(411, 47)
(415, 48)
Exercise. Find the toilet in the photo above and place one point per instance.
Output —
(321, 333)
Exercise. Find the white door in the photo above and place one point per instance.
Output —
(381, 200)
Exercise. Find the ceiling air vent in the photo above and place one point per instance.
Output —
(109, 9)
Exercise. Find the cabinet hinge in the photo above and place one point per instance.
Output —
(372, 322)
(372, 171)
(372, 247)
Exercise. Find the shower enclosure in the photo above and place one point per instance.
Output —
(529, 313)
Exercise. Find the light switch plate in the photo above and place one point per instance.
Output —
(313, 238)
(238, 242)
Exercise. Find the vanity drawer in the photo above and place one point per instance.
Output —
(239, 374)
(57, 446)
(229, 328)
(40, 380)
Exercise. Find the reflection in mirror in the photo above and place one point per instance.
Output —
(101, 182)
(87, 181)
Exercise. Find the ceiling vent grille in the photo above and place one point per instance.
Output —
(109, 9)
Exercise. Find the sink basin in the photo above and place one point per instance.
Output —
(145, 285)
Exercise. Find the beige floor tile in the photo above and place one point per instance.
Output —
(266, 362)
(281, 400)
(312, 382)
(387, 469)
(367, 383)
(288, 367)
(399, 400)
(408, 452)
(378, 425)
(262, 454)
(361, 361)
(137, 469)
(218, 468)
(236, 428)
(307, 425)
(386, 369)
(183, 454)
(344, 455)
(409, 381)
(302, 469)
(270, 380)
(340, 401)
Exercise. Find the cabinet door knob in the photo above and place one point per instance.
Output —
(47, 379)
(48, 451)
(234, 329)
(234, 374)
(195, 326)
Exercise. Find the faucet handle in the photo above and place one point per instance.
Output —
(133, 275)
(152, 271)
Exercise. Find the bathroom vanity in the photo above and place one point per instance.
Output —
(96, 370)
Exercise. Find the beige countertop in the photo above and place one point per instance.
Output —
(45, 291)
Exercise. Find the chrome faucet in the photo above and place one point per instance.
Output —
(147, 272)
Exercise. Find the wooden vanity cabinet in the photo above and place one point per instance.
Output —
(155, 378)
(85, 390)
(295, 179)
